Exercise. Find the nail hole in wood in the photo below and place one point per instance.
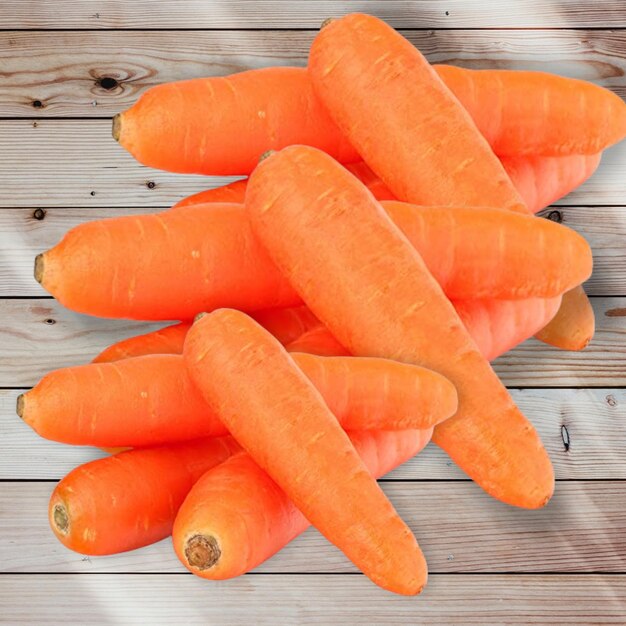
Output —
(447, 13)
(611, 401)
(108, 83)
(565, 437)
(49, 321)
(92, 193)
(555, 216)
(150, 184)
(38, 104)
(39, 214)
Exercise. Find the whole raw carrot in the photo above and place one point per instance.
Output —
(361, 277)
(211, 546)
(233, 192)
(542, 180)
(150, 400)
(175, 264)
(189, 126)
(281, 420)
(403, 120)
(129, 500)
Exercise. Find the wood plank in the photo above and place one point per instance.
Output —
(449, 600)
(39, 335)
(589, 420)
(65, 163)
(218, 14)
(25, 233)
(459, 527)
(60, 70)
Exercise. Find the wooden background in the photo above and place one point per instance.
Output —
(66, 67)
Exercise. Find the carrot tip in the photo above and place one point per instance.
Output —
(20, 405)
(61, 519)
(198, 317)
(39, 263)
(327, 21)
(116, 130)
(202, 552)
(266, 154)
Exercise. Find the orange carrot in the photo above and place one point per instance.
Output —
(286, 324)
(130, 500)
(317, 341)
(405, 123)
(535, 113)
(168, 340)
(362, 278)
(210, 545)
(573, 326)
(149, 400)
(280, 419)
(544, 180)
(189, 126)
(118, 268)
(234, 192)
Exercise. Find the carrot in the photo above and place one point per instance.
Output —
(210, 545)
(405, 123)
(168, 340)
(117, 267)
(286, 324)
(130, 500)
(544, 180)
(317, 341)
(361, 277)
(281, 420)
(536, 113)
(573, 326)
(189, 126)
(233, 192)
(149, 400)
(223, 125)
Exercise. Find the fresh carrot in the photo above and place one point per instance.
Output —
(168, 340)
(189, 126)
(286, 324)
(535, 113)
(118, 267)
(573, 326)
(317, 341)
(405, 123)
(542, 180)
(223, 125)
(150, 400)
(314, 217)
(210, 545)
(130, 500)
(281, 420)
(233, 192)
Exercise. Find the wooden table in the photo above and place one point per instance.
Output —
(65, 68)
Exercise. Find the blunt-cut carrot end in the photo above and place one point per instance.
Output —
(116, 129)
(202, 552)
(573, 327)
(39, 267)
(60, 519)
(19, 409)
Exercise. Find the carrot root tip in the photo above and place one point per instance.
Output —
(19, 409)
(61, 519)
(202, 551)
(116, 129)
(39, 263)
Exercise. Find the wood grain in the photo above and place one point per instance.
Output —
(589, 421)
(448, 600)
(38, 335)
(217, 14)
(25, 233)
(64, 163)
(459, 528)
(52, 74)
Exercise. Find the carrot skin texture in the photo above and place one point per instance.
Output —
(281, 420)
(130, 500)
(542, 180)
(150, 400)
(573, 326)
(370, 78)
(266, 519)
(287, 324)
(315, 220)
(117, 267)
(318, 341)
(231, 193)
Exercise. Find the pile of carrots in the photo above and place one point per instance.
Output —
(348, 296)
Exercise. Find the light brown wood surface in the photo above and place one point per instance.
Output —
(490, 564)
